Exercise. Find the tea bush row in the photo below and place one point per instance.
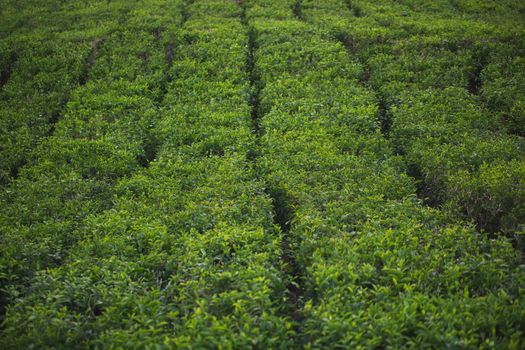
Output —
(451, 99)
(102, 136)
(378, 268)
(185, 253)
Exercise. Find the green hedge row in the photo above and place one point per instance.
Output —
(47, 54)
(463, 164)
(450, 99)
(378, 268)
(186, 255)
(503, 88)
(104, 135)
(33, 98)
(46, 59)
(210, 139)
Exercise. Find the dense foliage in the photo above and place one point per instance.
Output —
(262, 174)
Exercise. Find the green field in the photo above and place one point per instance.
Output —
(262, 174)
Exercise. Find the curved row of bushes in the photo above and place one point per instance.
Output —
(101, 137)
(451, 97)
(182, 252)
(255, 174)
(44, 58)
(379, 269)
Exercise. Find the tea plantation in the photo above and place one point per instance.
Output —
(262, 174)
